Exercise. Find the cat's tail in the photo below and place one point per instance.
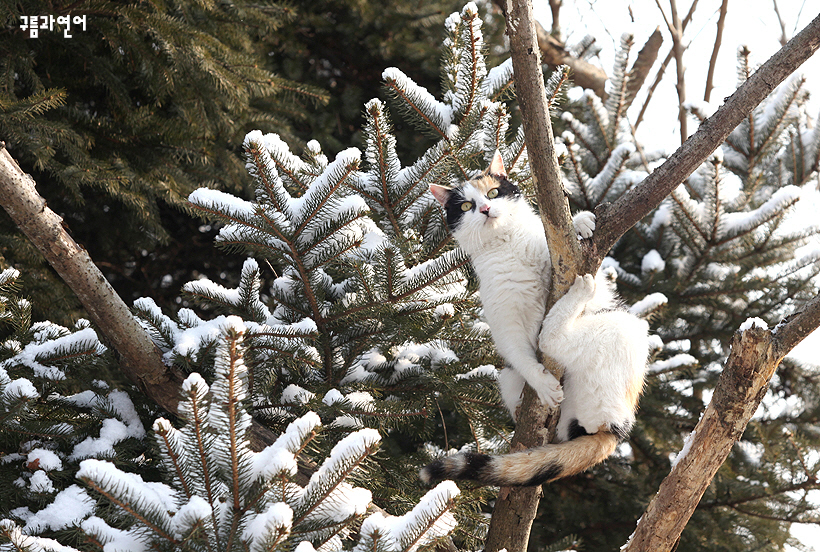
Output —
(526, 468)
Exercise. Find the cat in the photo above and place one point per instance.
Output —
(602, 348)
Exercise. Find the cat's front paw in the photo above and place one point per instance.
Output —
(549, 390)
(584, 223)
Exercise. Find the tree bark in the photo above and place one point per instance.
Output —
(755, 355)
(515, 508)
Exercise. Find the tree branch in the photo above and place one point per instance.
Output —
(755, 355)
(643, 63)
(662, 68)
(139, 359)
(676, 30)
(710, 75)
(616, 218)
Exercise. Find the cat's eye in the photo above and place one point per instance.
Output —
(466, 206)
(492, 193)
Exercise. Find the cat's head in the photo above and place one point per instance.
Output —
(483, 206)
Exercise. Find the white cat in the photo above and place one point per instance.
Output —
(602, 348)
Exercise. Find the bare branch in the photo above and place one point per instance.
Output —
(796, 327)
(755, 355)
(783, 37)
(710, 75)
(643, 64)
(554, 53)
(740, 388)
(515, 508)
(615, 219)
(676, 29)
(140, 360)
(555, 9)
(662, 68)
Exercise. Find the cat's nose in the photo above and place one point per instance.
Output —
(485, 209)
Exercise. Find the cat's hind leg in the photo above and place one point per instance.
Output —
(558, 320)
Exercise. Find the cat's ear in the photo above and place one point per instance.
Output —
(441, 193)
(497, 166)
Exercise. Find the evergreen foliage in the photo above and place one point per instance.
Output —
(120, 122)
(57, 408)
(356, 313)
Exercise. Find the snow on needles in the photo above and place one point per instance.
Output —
(36, 353)
(429, 520)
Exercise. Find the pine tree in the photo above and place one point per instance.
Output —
(120, 122)
(58, 406)
(223, 496)
(357, 312)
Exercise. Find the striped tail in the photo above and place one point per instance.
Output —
(526, 468)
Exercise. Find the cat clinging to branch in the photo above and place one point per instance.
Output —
(602, 348)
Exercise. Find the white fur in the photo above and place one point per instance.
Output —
(602, 348)
(603, 354)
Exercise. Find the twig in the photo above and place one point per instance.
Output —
(676, 30)
(710, 75)
(662, 68)
(783, 38)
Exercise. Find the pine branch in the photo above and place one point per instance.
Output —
(140, 359)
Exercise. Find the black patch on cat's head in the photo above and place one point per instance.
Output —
(507, 188)
(456, 198)
(545, 473)
(453, 208)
